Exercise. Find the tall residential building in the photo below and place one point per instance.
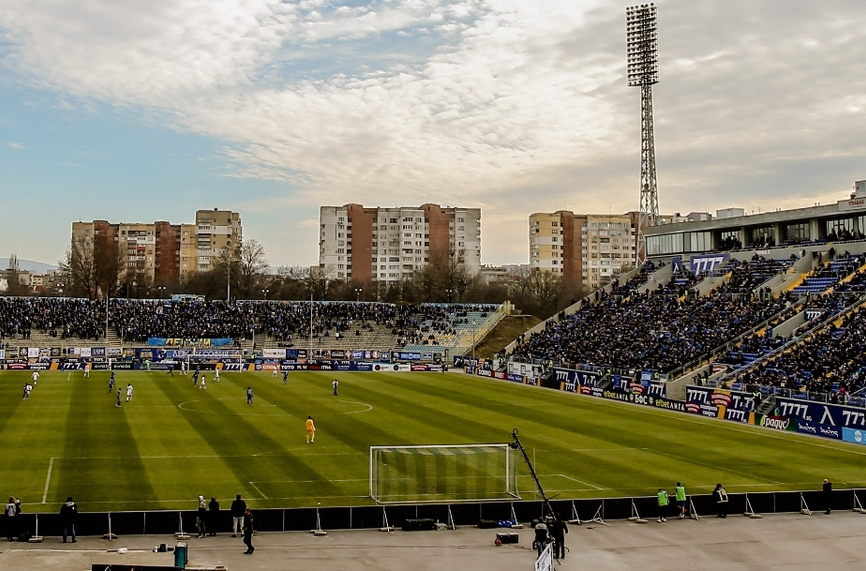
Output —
(215, 231)
(588, 249)
(161, 251)
(389, 244)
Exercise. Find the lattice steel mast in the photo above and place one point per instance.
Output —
(643, 72)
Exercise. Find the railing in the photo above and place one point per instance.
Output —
(371, 516)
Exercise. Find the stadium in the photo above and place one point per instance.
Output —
(682, 370)
(642, 368)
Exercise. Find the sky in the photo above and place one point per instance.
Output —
(133, 111)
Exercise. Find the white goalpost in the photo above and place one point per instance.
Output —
(443, 473)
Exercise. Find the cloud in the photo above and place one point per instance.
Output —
(17, 146)
(514, 106)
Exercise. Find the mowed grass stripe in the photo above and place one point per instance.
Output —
(24, 425)
(96, 427)
(226, 433)
(215, 445)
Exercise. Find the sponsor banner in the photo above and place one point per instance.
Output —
(392, 367)
(234, 367)
(703, 409)
(518, 378)
(668, 404)
(2, 354)
(97, 351)
(528, 370)
(777, 422)
(84, 352)
(830, 415)
(427, 356)
(703, 264)
(738, 415)
(16, 365)
(406, 356)
(122, 366)
(71, 365)
(274, 353)
(720, 398)
(338, 354)
(113, 352)
(658, 390)
(806, 427)
(854, 435)
(569, 378)
(33, 352)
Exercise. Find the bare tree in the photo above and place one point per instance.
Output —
(252, 266)
(79, 269)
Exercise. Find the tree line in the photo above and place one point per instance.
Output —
(94, 268)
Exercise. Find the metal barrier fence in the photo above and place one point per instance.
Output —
(463, 514)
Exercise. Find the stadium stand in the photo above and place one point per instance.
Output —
(252, 324)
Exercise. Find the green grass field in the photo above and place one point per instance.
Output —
(174, 442)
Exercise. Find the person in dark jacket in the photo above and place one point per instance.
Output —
(10, 519)
(68, 512)
(248, 532)
(558, 529)
(238, 508)
(721, 496)
(214, 513)
(828, 494)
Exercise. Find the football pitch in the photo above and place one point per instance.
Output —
(174, 442)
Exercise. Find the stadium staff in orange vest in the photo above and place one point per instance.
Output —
(311, 430)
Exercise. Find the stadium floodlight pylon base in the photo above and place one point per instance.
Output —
(858, 507)
(385, 527)
(575, 519)
(180, 533)
(804, 507)
(635, 516)
(693, 513)
(318, 532)
(750, 511)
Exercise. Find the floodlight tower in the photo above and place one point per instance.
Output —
(643, 72)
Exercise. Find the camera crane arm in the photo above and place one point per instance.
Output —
(516, 445)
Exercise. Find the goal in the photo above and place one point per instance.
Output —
(443, 473)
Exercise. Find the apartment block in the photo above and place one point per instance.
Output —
(588, 249)
(367, 244)
(161, 251)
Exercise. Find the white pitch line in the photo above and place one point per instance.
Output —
(47, 481)
(69, 374)
(253, 484)
(368, 409)
(578, 481)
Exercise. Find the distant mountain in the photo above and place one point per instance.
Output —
(28, 265)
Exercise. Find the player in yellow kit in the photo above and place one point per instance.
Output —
(311, 430)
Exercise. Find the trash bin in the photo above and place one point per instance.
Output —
(181, 554)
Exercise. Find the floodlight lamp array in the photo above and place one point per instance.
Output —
(642, 45)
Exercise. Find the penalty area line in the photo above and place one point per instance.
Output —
(253, 484)
(47, 481)
(578, 481)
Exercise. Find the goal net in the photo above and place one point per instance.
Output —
(444, 473)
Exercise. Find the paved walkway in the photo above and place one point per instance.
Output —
(789, 542)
